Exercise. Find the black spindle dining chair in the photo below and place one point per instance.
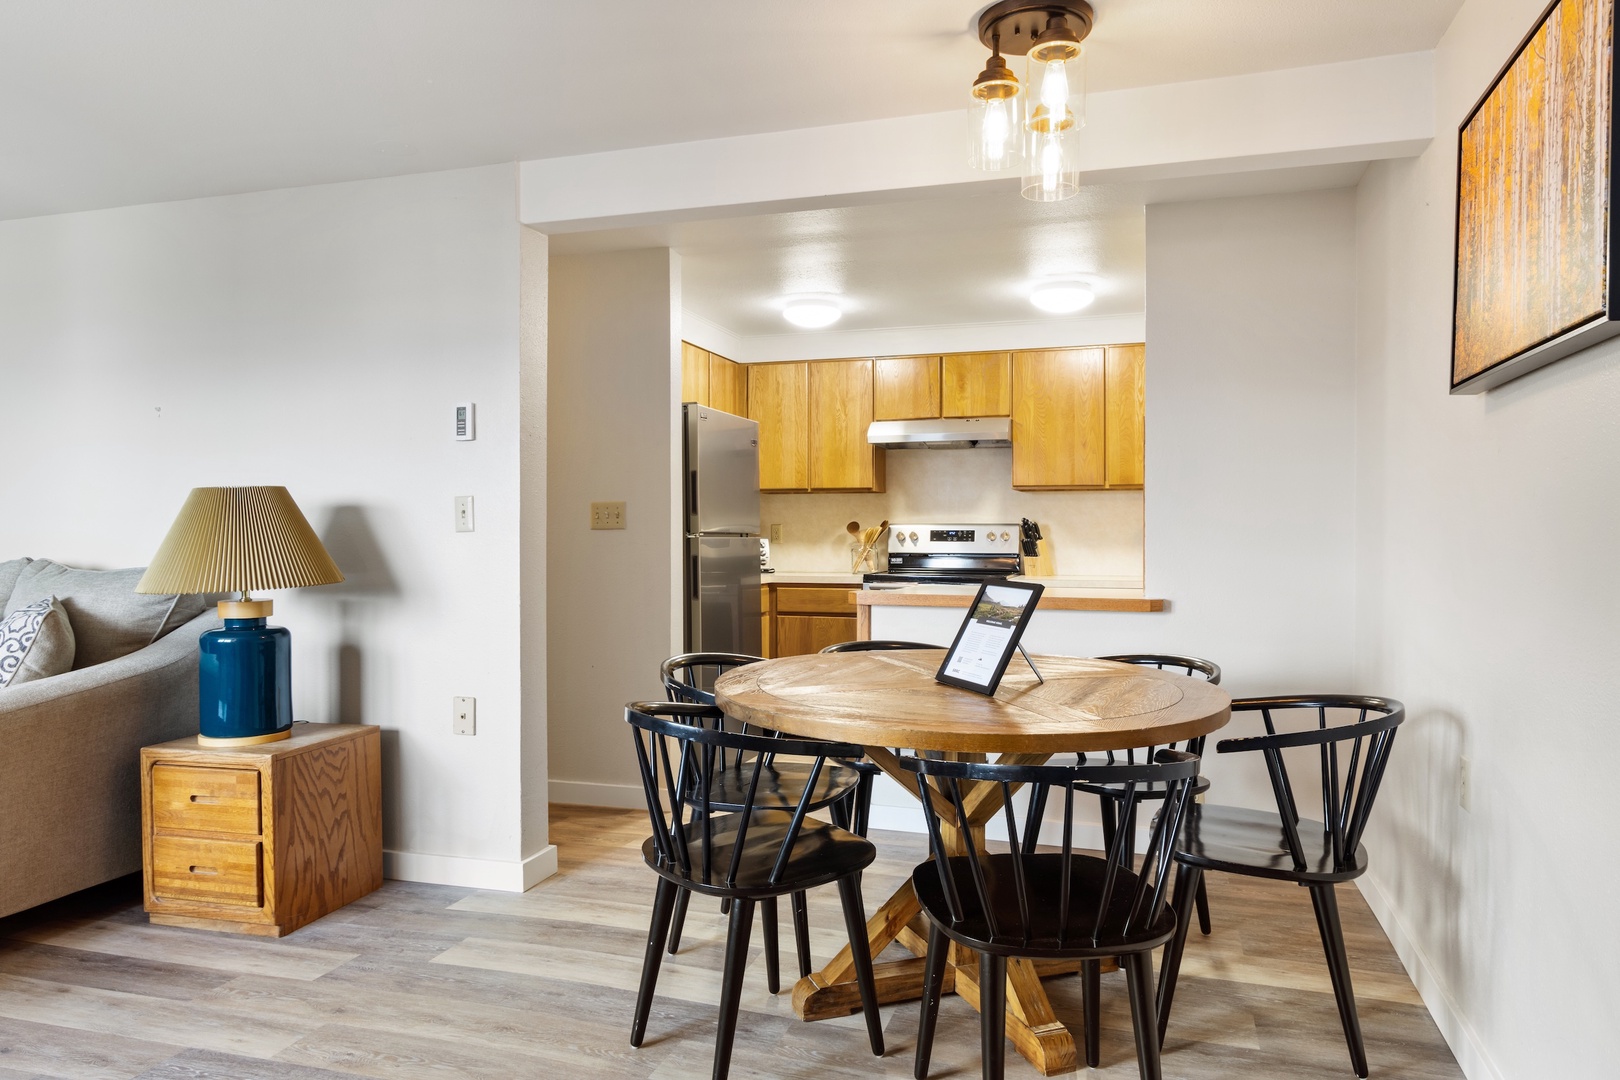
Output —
(1110, 805)
(1046, 905)
(843, 787)
(1284, 846)
(748, 856)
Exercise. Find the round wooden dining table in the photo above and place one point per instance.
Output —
(889, 700)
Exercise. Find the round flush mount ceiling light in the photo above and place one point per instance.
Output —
(1063, 297)
(811, 312)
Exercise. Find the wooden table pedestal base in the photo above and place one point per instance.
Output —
(1031, 1024)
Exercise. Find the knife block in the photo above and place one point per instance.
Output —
(1041, 564)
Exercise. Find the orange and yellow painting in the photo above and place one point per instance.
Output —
(1533, 194)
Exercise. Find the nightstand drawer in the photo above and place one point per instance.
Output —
(189, 799)
(214, 871)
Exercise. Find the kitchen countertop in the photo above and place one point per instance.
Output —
(1053, 599)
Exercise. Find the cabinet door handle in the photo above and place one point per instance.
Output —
(204, 870)
(206, 800)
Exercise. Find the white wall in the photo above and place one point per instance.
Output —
(316, 338)
(1488, 587)
(614, 369)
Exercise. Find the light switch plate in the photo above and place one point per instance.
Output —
(464, 513)
(607, 515)
(465, 713)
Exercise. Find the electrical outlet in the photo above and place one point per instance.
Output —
(465, 712)
(1464, 783)
(464, 517)
(607, 515)
(776, 532)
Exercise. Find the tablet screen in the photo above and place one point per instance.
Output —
(984, 644)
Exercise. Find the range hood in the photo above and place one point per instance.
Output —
(941, 434)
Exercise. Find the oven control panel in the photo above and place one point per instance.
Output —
(954, 539)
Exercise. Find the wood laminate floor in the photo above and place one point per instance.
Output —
(422, 982)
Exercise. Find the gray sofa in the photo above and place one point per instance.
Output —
(70, 806)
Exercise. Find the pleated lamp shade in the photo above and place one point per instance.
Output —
(236, 539)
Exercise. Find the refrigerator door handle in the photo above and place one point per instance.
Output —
(693, 576)
(692, 498)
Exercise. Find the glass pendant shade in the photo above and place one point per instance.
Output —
(995, 123)
(1057, 95)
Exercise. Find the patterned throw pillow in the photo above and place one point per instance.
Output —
(36, 642)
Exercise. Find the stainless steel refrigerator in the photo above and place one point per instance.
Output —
(722, 531)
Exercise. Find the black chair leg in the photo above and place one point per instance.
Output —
(993, 1015)
(773, 961)
(801, 932)
(1139, 983)
(1032, 823)
(933, 990)
(663, 907)
(1187, 881)
(863, 804)
(1327, 921)
(742, 924)
(1091, 1007)
(1203, 908)
(849, 891)
(679, 922)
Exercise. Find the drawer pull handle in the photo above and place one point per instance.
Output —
(204, 870)
(206, 800)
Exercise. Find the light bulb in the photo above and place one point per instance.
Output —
(1055, 90)
(997, 127)
(1051, 163)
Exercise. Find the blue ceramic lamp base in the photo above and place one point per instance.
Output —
(245, 677)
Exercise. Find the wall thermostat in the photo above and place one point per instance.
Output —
(464, 421)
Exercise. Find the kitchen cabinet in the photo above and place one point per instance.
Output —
(807, 618)
(976, 384)
(1058, 419)
(694, 373)
(905, 388)
(710, 379)
(840, 412)
(779, 400)
(1124, 394)
(728, 385)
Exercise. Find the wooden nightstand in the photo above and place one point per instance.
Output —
(261, 839)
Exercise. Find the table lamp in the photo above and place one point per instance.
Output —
(238, 539)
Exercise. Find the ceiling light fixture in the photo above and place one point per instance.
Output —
(811, 312)
(1062, 297)
(1040, 128)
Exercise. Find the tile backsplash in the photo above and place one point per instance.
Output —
(1089, 534)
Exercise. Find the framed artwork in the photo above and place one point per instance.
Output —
(1535, 181)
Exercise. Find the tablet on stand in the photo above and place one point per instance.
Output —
(995, 622)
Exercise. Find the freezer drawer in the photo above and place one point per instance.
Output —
(722, 594)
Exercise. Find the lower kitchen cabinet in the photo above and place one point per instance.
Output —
(806, 618)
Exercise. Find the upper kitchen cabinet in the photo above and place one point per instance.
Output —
(905, 388)
(841, 410)
(779, 399)
(1058, 419)
(1124, 400)
(977, 384)
(728, 385)
(710, 379)
(694, 373)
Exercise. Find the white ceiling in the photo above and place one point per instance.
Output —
(962, 259)
(116, 102)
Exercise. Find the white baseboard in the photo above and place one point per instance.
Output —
(494, 874)
(584, 793)
(1471, 1055)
